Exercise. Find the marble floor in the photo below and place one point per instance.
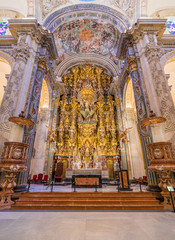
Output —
(86, 225)
(68, 188)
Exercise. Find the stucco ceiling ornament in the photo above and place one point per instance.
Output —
(49, 5)
(126, 5)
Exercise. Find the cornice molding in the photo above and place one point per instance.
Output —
(36, 31)
(138, 31)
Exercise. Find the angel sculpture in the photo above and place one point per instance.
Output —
(123, 135)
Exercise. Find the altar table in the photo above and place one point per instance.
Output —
(87, 180)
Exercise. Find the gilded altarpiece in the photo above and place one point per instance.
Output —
(87, 132)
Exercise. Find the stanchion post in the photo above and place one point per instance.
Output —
(28, 185)
(140, 186)
(52, 186)
(118, 184)
(74, 187)
(95, 186)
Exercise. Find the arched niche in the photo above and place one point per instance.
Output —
(40, 145)
(44, 99)
(134, 148)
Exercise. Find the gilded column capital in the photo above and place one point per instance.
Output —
(42, 64)
(132, 64)
(117, 102)
(57, 102)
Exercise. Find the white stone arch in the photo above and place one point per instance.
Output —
(134, 147)
(166, 57)
(58, 16)
(9, 59)
(95, 59)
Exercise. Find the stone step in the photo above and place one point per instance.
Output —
(55, 199)
(79, 203)
(90, 207)
(90, 194)
(72, 198)
(88, 201)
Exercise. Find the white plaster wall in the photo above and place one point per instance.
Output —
(170, 69)
(157, 5)
(21, 6)
(4, 69)
(15, 5)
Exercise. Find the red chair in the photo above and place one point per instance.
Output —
(45, 178)
(34, 179)
(40, 177)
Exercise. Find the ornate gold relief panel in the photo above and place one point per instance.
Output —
(87, 128)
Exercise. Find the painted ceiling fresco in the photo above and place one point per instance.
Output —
(87, 36)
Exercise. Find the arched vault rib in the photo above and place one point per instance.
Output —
(95, 59)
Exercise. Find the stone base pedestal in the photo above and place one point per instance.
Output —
(13, 159)
(162, 162)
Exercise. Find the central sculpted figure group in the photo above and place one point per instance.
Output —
(87, 125)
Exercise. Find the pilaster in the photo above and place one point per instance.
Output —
(146, 36)
(33, 51)
(127, 51)
(27, 35)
